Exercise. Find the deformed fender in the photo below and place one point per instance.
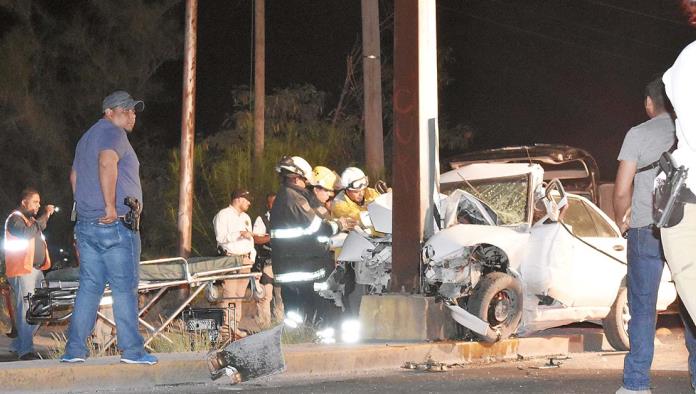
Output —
(355, 244)
(474, 323)
(450, 241)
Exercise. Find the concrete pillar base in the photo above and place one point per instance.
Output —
(405, 317)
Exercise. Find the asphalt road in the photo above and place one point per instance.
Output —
(590, 372)
(506, 378)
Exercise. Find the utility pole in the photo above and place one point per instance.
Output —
(259, 80)
(372, 88)
(415, 165)
(188, 121)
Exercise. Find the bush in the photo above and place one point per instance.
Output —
(295, 126)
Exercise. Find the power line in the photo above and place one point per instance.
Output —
(547, 37)
(630, 11)
(565, 22)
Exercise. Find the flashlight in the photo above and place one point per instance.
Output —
(56, 209)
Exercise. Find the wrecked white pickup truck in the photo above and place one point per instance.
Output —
(514, 255)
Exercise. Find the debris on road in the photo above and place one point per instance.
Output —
(554, 362)
(248, 358)
(430, 365)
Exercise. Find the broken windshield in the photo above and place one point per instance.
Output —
(506, 196)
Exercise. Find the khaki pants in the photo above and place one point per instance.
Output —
(679, 244)
(278, 307)
(233, 291)
(263, 306)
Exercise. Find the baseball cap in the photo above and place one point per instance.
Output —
(239, 193)
(121, 98)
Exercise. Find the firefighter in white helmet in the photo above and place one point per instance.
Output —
(356, 194)
(300, 240)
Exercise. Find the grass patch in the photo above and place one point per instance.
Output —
(182, 340)
(57, 349)
(305, 332)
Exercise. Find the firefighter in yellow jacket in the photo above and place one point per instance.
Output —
(355, 196)
(26, 255)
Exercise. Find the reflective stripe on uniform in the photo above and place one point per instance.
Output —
(295, 232)
(299, 276)
(17, 244)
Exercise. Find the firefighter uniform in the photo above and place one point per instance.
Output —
(345, 207)
(300, 251)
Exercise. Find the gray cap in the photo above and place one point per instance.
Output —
(122, 99)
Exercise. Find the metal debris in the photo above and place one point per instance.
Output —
(249, 358)
(430, 365)
(554, 362)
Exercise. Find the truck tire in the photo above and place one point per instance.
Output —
(497, 299)
(616, 323)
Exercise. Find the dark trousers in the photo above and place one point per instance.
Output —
(300, 297)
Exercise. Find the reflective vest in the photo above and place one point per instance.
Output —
(19, 252)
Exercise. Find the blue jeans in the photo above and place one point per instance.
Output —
(21, 285)
(645, 264)
(108, 253)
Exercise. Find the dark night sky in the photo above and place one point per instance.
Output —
(551, 71)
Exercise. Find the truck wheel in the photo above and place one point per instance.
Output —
(616, 323)
(497, 299)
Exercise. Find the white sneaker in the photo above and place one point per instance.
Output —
(623, 390)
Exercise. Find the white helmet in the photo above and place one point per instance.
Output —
(295, 165)
(354, 178)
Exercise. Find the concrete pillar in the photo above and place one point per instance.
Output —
(415, 165)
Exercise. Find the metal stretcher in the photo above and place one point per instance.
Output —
(53, 302)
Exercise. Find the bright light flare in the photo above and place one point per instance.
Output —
(350, 331)
(293, 319)
(290, 323)
(327, 336)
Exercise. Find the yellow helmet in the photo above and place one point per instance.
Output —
(325, 178)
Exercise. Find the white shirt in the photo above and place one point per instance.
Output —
(229, 224)
(259, 226)
(680, 85)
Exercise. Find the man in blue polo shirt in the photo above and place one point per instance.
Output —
(105, 171)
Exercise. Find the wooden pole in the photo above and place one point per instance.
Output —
(259, 79)
(372, 88)
(188, 120)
